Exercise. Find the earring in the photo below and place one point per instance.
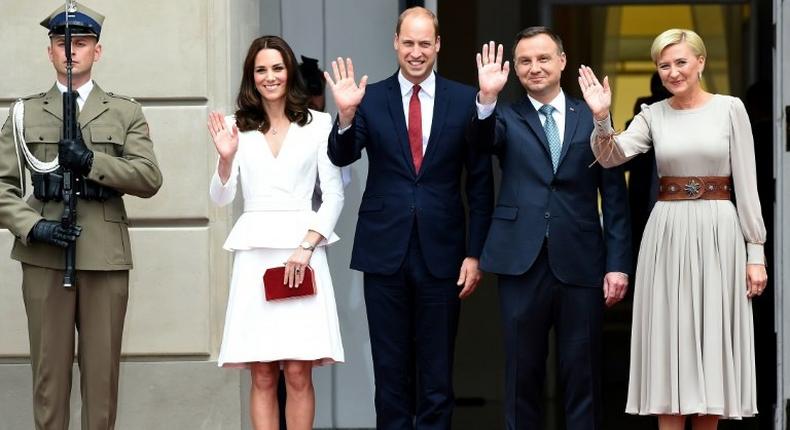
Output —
(699, 73)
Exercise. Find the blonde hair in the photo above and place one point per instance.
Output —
(674, 36)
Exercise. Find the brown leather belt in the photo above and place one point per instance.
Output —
(695, 187)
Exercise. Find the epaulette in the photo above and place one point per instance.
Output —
(118, 96)
(26, 98)
(33, 96)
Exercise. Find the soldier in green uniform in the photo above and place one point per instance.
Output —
(113, 157)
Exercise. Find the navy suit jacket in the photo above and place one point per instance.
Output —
(533, 199)
(396, 196)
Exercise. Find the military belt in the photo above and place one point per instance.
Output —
(49, 187)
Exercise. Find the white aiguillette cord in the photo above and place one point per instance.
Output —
(36, 165)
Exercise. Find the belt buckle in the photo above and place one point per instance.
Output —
(694, 188)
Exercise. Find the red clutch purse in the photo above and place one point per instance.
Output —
(274, 289)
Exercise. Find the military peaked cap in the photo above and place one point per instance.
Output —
(83, 21)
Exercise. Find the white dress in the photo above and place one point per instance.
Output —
(277, 214)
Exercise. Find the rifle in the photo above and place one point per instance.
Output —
(71, 130)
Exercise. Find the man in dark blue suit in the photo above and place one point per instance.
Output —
(411, 239)
(556, 266)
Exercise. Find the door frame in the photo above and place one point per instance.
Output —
(782, 236)
(781, 239)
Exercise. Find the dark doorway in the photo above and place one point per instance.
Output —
(614, 38)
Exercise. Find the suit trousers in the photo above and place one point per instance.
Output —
(96, 306)
(412, 319)
(531, 304)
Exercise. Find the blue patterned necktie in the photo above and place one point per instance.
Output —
(552, 134)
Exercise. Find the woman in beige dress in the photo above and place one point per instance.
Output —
(701, 258)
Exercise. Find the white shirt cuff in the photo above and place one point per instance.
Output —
(484, 111)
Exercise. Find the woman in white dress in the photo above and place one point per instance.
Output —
(276, 149)
(701, 258)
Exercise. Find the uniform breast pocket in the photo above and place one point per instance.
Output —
(43, 141)
(107, 138)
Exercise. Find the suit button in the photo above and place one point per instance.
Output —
(547, 215)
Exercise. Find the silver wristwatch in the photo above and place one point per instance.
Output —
(307, 246)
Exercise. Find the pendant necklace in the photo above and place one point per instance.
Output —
(272, 128)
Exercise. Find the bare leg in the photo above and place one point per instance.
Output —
(671, 422)
(263, 396)
(705, 422)
(300, 408)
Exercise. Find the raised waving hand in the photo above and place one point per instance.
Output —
(598, 96)
(226, 141)
(345, 90)
(491, 73)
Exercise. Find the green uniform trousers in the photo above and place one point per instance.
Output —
(96, 307)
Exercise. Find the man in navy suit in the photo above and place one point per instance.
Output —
(556, 266)
(411, 238)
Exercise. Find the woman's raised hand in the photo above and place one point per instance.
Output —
(491, 73)
(226, 141)
(597, 96)
(345, 90)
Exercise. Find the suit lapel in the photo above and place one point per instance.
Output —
(395, 105)
(95, 105)
(571, 121)
(441, 100)
(53, 102)
(530, 116)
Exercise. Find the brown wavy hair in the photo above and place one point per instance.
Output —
(251, 115)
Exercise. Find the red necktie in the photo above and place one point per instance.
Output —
(415, 128)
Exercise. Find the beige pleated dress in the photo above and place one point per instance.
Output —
(692, 338)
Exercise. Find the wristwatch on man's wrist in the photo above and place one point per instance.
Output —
(307, 246)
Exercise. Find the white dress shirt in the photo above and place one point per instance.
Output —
(484, 111)
(82, 92)
(427, 96)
